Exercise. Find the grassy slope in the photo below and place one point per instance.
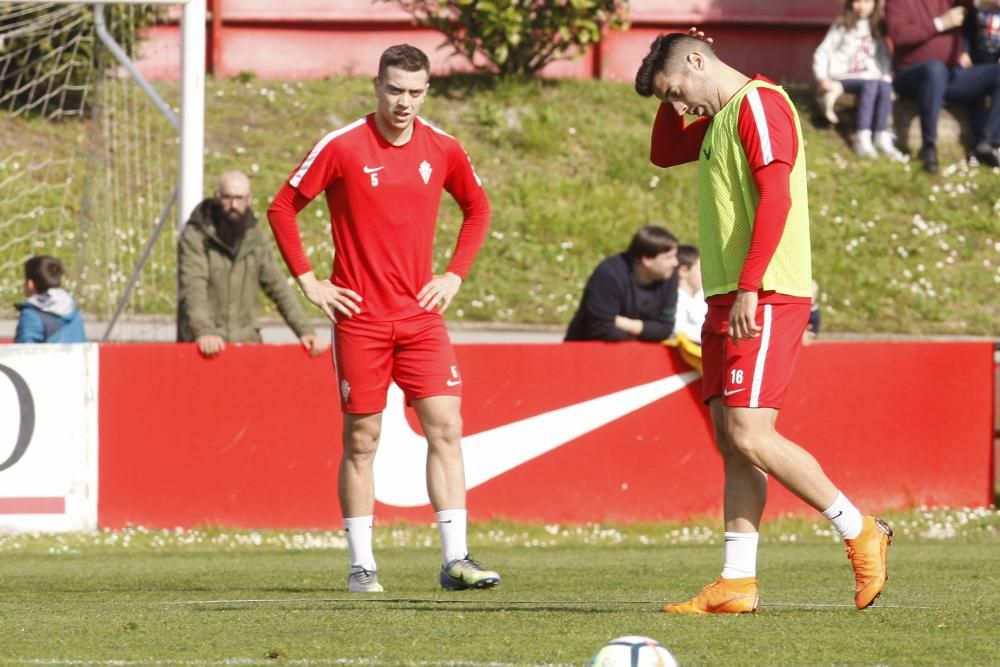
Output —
(566, 590)
(565, 165)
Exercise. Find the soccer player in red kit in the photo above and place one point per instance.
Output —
(753, 228)
(383, 176)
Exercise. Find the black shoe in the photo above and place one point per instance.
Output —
(986, 156)
(928, 155)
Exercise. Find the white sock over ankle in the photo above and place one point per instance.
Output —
(741, 555)
(359, 541)
(453, 542)
(845, 517)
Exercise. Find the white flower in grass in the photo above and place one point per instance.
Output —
(572, 130)
(497, 235)
(654, 181)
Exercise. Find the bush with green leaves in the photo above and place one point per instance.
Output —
(518, 37)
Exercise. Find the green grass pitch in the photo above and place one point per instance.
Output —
(218, 597)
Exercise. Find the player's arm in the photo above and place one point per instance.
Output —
(674, 141)
(319, 169)
(272, 282)
(466, 188)
(767, 132)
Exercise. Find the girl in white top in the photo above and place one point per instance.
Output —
(854, 58)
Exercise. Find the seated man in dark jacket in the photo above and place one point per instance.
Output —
(223, 259)
(632, 295)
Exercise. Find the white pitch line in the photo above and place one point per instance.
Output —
(253, 662)
(850, 606)
(384, 600)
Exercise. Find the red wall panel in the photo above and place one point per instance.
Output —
(303, 39)
(252, 438)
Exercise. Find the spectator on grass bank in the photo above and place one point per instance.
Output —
(691, 304)
(982, 32)
(49, 314)
(223, 257)
(854, 58)
(932, 68)
(631, 295)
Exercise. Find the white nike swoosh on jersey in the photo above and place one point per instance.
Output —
(726, 392)
(402, 454)
(372, 170)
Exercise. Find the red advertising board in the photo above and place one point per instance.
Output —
(616, 432)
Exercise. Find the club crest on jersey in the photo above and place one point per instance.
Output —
(425, 171)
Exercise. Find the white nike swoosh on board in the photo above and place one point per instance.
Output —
(372, 170)
(402, 454)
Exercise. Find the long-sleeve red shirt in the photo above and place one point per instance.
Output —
(383, 202)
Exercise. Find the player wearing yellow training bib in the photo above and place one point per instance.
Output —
(753, 229)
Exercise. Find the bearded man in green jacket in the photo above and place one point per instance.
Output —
(223, 257)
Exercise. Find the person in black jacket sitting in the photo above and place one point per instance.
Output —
(632, 295)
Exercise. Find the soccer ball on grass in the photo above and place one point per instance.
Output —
(633, 651)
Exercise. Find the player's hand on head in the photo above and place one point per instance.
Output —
(439, 291)
(210, 345)
(314, 344)
(698, 34)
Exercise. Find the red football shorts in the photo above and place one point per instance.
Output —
(752, 373)
(416, 353)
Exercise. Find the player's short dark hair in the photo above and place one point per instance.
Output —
(44, 271)
(650, 241)
(404, 57)
(665, 53)
(687, 255)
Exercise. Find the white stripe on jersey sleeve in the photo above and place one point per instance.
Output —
(435, 128)
(761, 121)
(318, 148)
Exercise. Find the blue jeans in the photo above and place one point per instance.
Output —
(874, 102)
(932, 83)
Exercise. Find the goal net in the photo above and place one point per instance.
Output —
(89, 159)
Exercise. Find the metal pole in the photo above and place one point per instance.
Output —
(126, 62)
(192, 109)
(147, 249)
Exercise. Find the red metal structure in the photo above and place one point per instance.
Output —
(302, 39)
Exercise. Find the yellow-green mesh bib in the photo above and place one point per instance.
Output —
(727, 202)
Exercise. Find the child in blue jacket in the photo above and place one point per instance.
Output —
(49, 315)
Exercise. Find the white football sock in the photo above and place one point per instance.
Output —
(845, 517)
(741, 555)
(453, 544)
(359, 541)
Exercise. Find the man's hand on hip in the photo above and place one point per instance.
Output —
(743, 317)
(328, 297)
(439, 292)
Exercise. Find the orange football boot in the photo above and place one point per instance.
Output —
(722, 596)
(868, 553)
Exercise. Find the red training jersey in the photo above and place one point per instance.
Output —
(383, 202)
